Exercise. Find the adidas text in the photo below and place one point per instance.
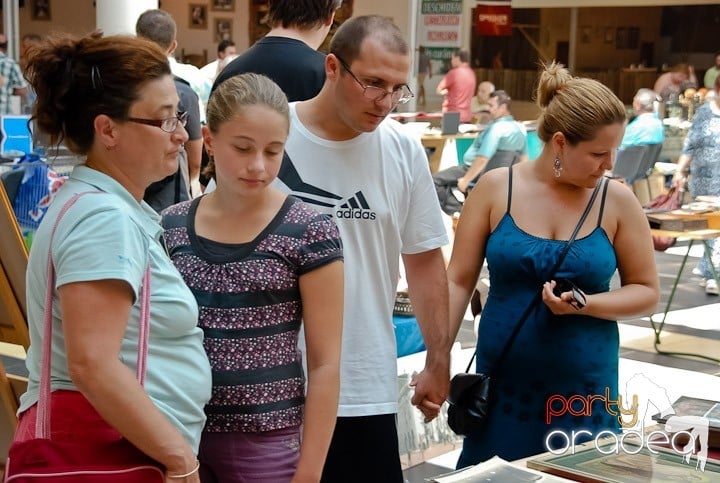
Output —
(355, 214)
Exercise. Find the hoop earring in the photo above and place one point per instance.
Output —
(557, 168)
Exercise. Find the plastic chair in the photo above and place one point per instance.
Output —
(501, 159)
(629, 162)
(652, 154)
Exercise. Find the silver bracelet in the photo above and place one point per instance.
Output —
(185, 475)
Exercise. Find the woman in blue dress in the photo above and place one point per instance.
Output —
(519, 219)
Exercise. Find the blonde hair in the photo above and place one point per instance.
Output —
(228, 100)
(575, 106)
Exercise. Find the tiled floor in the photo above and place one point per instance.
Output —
(692, 325)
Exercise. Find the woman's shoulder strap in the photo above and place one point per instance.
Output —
(602, 200)
(509, 201)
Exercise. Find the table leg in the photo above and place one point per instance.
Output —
(658, 329)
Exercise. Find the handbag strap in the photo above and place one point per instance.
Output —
(538, 295)
(42, 425)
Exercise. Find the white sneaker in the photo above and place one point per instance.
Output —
(697, 271)
(711, 287)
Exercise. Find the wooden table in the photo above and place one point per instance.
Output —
(437, 143)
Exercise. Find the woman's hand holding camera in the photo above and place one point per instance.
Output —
(562, 297)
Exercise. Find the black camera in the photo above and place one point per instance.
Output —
(563, 285)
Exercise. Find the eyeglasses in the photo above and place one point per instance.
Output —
(169, 124)
(398, 96)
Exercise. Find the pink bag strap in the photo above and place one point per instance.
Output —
(42, 425)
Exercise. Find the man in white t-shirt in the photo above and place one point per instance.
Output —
(347, 159)
(225, 49)
(159, 26)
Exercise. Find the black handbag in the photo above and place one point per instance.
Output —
(470, 393)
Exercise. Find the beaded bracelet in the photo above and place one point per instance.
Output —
(191, 472)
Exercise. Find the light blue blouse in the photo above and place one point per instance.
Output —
(110, 235)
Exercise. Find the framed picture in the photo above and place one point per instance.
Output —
(585, 34)
(40, 10)
(630, 464)
(198, 16)
(222, 5)
(692, 406)
(609, 35)
(223, 29)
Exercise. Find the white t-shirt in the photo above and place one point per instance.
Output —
(378, 188)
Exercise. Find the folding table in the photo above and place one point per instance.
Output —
(692, 236)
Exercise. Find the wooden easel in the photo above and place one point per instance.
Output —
(13, 263)
(14, 336)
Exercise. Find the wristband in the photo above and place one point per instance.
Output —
(189, 473)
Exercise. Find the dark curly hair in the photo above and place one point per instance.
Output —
(78, 78)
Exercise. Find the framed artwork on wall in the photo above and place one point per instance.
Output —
(198, 16)
(223, 29)
(609, 35)
(222, 5)
(585, 34)
(40, 10)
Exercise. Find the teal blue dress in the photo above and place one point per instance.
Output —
(563, 355)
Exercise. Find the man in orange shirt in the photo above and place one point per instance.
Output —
(458, 86)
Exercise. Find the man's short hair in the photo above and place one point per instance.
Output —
(502, 97)
(303, 14)
(224, 44)
(646, 99)
(346, 42)
(463, 55)
(158, 26)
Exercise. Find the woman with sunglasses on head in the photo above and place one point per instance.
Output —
(112, 101)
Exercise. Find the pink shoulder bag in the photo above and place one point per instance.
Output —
(97, 452)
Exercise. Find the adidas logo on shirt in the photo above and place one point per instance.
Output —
(355, 207)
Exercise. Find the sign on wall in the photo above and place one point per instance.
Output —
(493, 18)
(439, 26)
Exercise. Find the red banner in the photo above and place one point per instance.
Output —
(494, 20)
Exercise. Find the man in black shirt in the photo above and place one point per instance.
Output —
(288, 53)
